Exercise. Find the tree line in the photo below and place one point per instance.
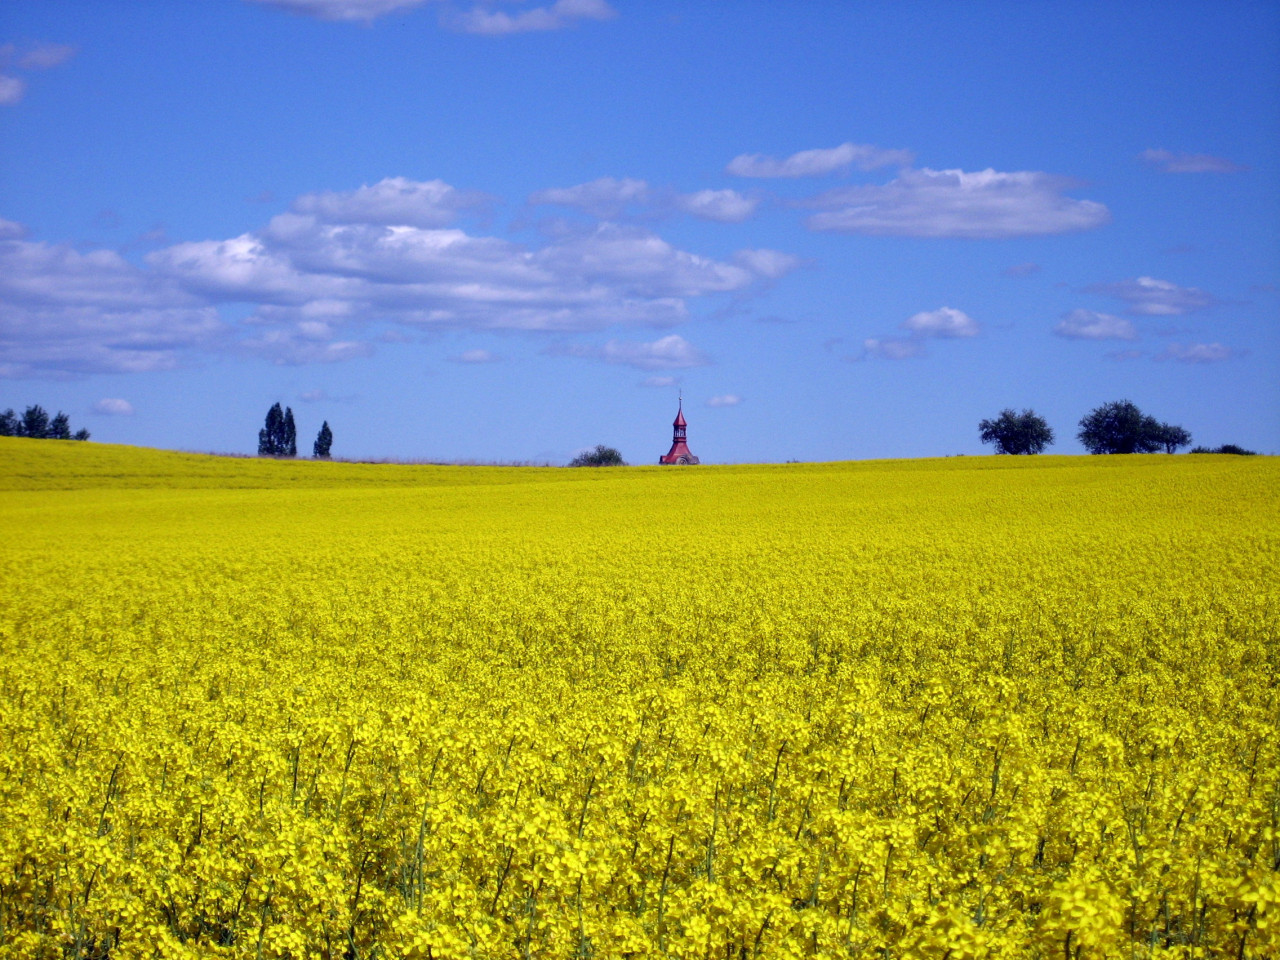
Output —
(1118, 427)
(36, 423)
(279, 436)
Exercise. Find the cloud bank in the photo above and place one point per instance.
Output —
(986, 204)
(318, 275)
(818, 163)
(1088, 325)
(671, 352)
(1149, 297)
(611, 199)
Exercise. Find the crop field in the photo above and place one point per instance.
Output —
(961, 708)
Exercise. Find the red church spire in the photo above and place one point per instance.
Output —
(679, 452)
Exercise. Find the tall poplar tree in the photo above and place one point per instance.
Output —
(324, 440)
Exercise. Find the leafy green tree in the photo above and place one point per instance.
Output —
(601, 456)
(324, 440)
(1119, 427)
(35, 422)
(1172, 437)
(1227, 448)
(9, 424)
(59, 427)
(81, 434)
(1016, 433)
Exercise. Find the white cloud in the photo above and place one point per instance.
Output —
(11, 89)
(817, 163)
(668, 353)
(562, 13)
(10, 230)
(723, 206)
(1196, 353)
(43, 56)
(769, 264)
(1088, 325)
(944, 322)
(658, 382)
(892, 348)
(1171, 162)
(365, 10)
(302, 345)
(985, 204)
(114, 407)
(1149, 297)
(606, 197)
(394, 201)
(475, 356)
(66, 313)
(725, 400)
(315, 276)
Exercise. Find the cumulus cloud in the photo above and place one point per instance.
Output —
(608, 199)
(1149, 297)
(366, 10)
(817, 163)
(1171, 162)
(394, 201)
(315, 275)
(113, 407)
(944, 322)
(475, 356)
(9, 230)
(986, 204)
(892, 348)
(496, 23)
(667, 353)
(66, 313)
(1088, 325)
(725, 400)
(723, 206)
(1196, 353)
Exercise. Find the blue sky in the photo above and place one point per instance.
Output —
(511, 230)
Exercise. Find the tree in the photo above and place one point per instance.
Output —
(59, 427)
(279, 438)
(269, 435)
(324, 440)
(290, 437)
(1227, 448)
(35, 423)
(1172, 437)
(1119, 427)
(601, 456)
(1024, 432)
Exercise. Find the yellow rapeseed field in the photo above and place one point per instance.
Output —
(963, 708)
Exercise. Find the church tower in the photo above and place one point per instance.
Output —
(679, 452)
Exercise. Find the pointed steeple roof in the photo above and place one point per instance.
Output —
(680, 421)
